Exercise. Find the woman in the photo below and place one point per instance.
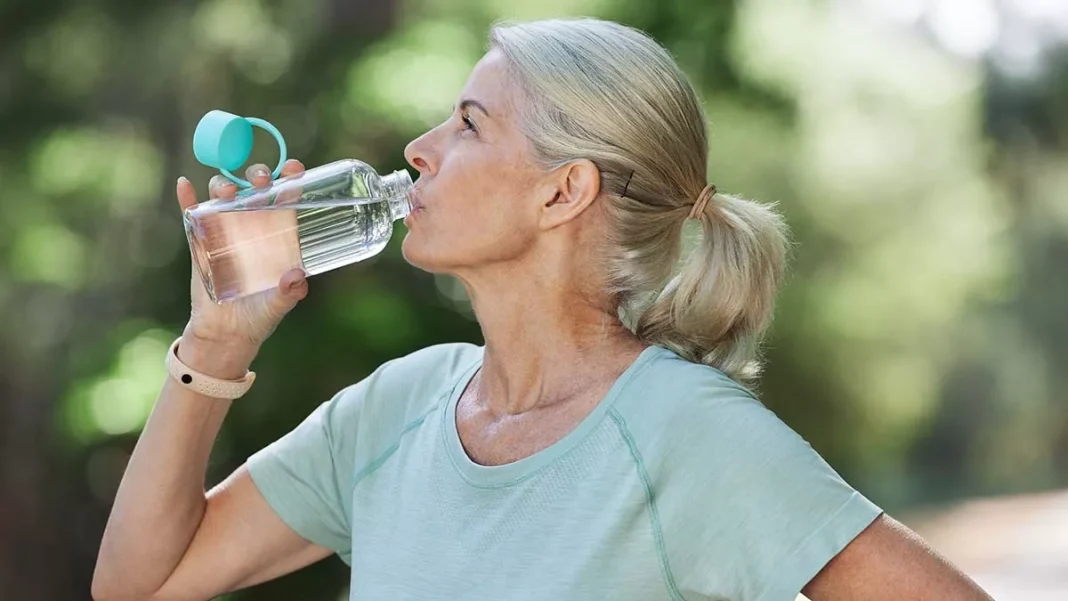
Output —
(597, 447)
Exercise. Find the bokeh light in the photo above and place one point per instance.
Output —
(919, 149)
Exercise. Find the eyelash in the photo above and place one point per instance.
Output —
(469, 125)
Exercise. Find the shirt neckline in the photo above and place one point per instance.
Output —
(499, 476)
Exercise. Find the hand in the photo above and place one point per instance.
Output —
(236, 329)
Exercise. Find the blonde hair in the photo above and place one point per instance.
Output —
(608, 93)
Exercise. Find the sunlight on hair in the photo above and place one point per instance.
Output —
(595, 90)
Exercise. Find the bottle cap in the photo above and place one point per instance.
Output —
(224, 141)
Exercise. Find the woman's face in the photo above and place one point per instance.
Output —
(477, 196)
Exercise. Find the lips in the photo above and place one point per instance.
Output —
(414, 197)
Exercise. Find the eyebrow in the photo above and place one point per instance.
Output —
(470, 102)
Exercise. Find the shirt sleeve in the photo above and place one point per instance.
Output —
(306, 475)
(751, 511)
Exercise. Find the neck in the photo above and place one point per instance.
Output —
(546, 342)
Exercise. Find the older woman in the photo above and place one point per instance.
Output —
(599, 446)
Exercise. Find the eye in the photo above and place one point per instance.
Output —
(469, 125)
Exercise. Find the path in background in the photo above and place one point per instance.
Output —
(1014, 547)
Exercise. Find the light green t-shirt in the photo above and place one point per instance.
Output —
(679, 485)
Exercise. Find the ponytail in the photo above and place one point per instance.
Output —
(607, 93)
(716, 310)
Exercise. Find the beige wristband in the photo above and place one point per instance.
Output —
(203, 383)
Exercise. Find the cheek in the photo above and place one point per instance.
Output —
(476, 215)
(475, 230)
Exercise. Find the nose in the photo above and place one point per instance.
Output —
(420, 154)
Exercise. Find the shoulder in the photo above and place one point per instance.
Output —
(746, 507)
(685, 416)
(670, 392)
(426, 371)
(406, 388)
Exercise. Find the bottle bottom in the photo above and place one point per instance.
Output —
(243, 252)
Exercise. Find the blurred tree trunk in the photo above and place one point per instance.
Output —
(40, 525)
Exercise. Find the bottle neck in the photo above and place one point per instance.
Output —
(395, 187)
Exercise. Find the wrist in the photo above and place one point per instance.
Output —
(217, 359)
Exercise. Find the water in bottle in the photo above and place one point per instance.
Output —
(322, 219)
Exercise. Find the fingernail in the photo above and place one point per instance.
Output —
(182, 179)
(297, 284)
(260, 172)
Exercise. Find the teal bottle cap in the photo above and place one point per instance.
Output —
(224, 141)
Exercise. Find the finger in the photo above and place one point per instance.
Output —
(292, 167)
(187, 194)
(292, 278)
(292, 287)
(221, 187)
(258, 175)
(289, 190)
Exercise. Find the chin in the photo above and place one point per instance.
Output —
(418, 256)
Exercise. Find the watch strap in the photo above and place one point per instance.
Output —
(203, 383)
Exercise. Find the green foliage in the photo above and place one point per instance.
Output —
(917, 345)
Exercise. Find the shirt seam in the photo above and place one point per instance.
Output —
(379, 461)
(650, 497)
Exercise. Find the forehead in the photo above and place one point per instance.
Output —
(492, 84)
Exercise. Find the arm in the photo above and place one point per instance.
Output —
(240, 542)
(166, 539)
(889, 562)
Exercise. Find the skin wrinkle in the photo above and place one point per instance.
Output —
(554, 344)
(523, 240)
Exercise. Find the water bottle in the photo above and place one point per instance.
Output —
(322, 219)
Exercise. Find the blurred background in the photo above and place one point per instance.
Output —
(918, 147)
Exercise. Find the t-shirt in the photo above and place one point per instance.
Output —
(679, 485)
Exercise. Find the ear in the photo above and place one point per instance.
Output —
(576, 185)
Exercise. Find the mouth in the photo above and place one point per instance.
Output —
(416, 203)
(416, 200)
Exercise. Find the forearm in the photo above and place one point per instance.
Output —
(160, 501)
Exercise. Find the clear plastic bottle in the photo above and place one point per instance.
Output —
(322, 219)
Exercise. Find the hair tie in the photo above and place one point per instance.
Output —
(702, 200)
